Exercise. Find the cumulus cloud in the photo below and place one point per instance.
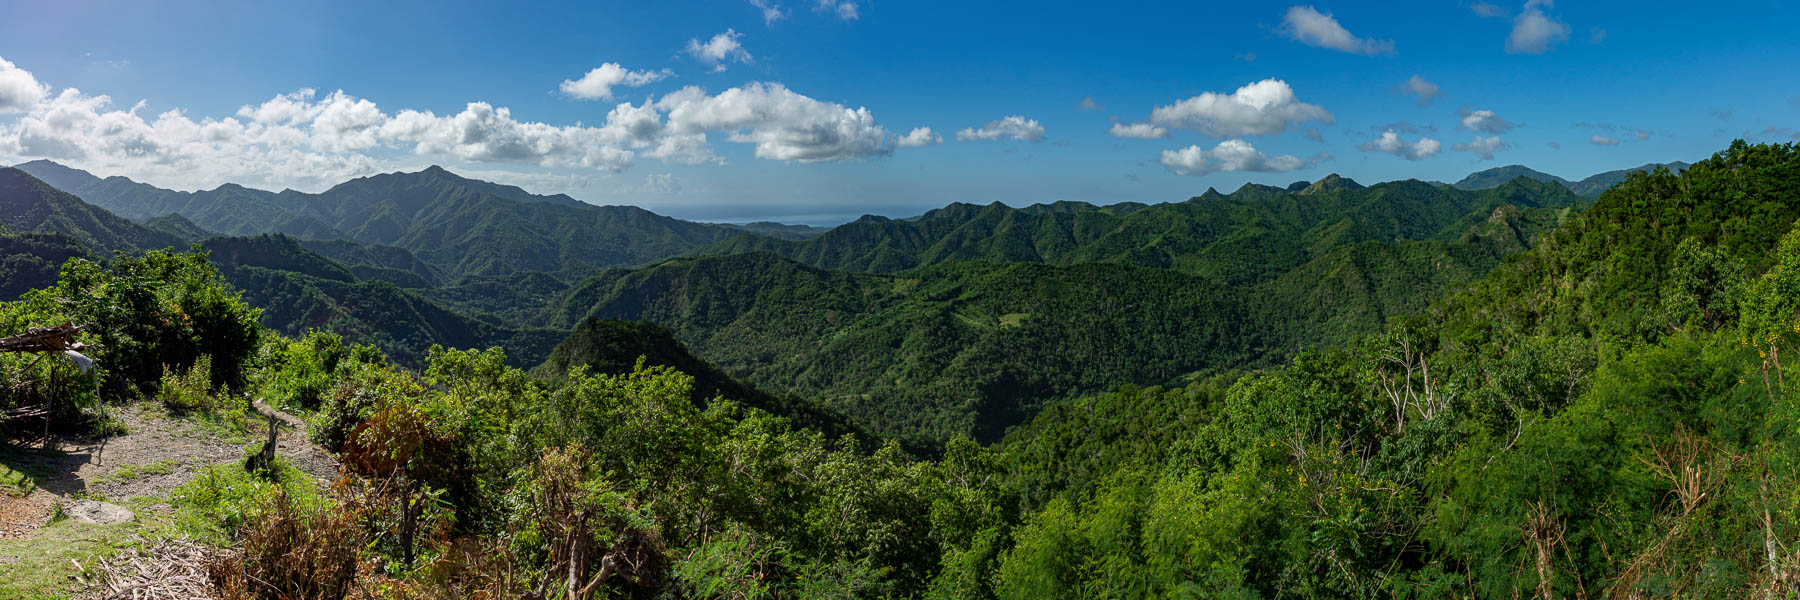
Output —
(1601, 140)
(844, 10)
(1484, 121)
(1418, 86)
(1554, 145)
(1484, 147)
(1722, 114)
(1262, 108)
(19, 90)
(1535, 32)
(722, 49)
(771, 12)
(1229, 155)
(919, 137)
(1391, 143)
(1312, 133)
(782, 124)
(1309, 26)
(1596, 35)
(307, 140)
(1012, 127)
(598, 83)
(1088, 103)
(1142, 131)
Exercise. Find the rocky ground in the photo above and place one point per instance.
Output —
(157, 453)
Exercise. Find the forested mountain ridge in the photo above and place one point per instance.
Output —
(29, 204)
(461, 226)
(975, 347)
(1603, 414)
(1247, 237)
(1590, 187)
(303, 290)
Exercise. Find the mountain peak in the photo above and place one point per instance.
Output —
(1331, 183)
(1497, 176)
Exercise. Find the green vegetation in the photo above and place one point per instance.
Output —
(460, 227)
(30, 205)
(975, 347)
(1602, 414)
(1589, 187)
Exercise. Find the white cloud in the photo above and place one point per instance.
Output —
(1488, 10)
(919, 137)
(1484, 121)
(1640, 134)
(1535, 32)
(1484, 147)
(1088, 103)
(721, 49)
(19, 90)
(782, 124)
(1142, 131)
(1601, 140)
(1596, 35)
(1309, 26)
(1013, 127)
(598, 83)
(1391, 143)
(1229, 155)
(844, 10)
(305, 140)
(771, 12)
(1261, 108)
(1418, 86)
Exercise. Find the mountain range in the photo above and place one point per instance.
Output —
(1590, 187)
(965, 320)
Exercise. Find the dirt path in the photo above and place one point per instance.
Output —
(157, 455)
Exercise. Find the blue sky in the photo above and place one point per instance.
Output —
(801, 117)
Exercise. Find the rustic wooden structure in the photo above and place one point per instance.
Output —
(46, 341)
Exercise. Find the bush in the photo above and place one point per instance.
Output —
(161, 309)
(189, 392)
(293, 551)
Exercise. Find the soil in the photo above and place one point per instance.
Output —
(80, 466)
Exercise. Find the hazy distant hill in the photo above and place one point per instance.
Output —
(1589, 187)
(460, 226)
(1249, 236)
(1593, 185)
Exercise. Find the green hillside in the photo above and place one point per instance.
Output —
(28, 204)
(1248, 237)
(460, 226)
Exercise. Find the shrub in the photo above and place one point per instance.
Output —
(294, 551)
(190, 391)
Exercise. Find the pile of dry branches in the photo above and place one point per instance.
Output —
(167, 569)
